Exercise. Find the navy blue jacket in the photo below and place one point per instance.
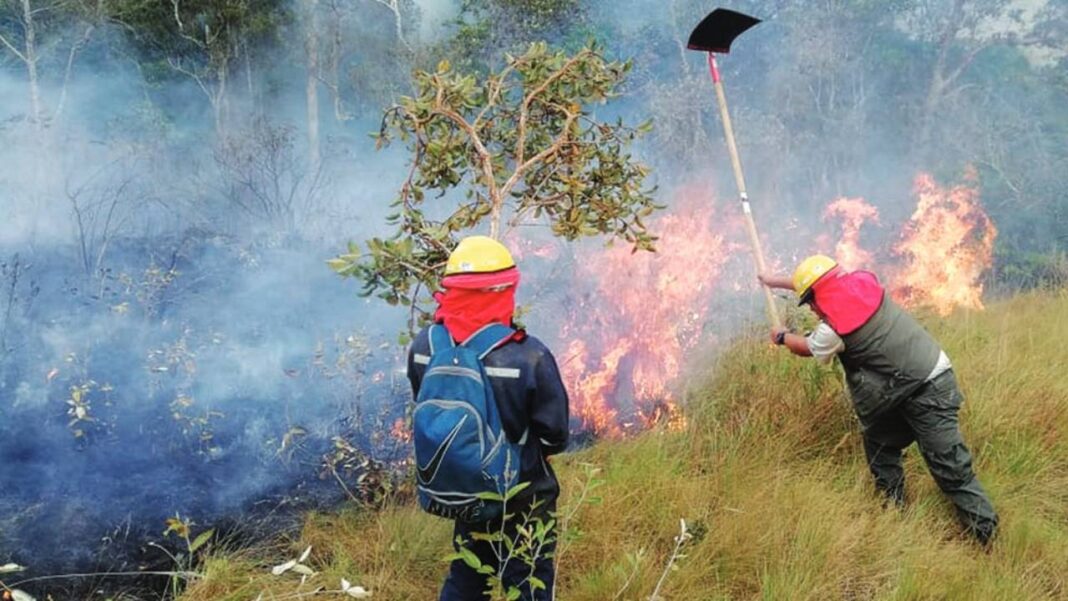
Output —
(530, 394)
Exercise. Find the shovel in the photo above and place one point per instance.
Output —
(713, 34)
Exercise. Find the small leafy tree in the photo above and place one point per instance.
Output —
(516, 147)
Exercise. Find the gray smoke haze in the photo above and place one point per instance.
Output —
(171, 341)
(436, 16)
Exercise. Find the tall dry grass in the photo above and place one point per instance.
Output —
(770, 476)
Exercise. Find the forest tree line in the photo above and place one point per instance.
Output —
(252, 111)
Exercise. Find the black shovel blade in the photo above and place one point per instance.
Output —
(716, 31)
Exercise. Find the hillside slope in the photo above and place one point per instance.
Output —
(770, 475)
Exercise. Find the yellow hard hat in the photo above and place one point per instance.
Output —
(809, 271)
(478, 254)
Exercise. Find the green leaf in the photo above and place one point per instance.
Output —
(486, 536)
(202, 538)
(515, 490)
(468, 557)
(338, 264)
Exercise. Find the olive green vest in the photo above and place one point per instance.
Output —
(887, 359)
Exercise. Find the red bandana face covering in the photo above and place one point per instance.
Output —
(847, 300)
(472, 300)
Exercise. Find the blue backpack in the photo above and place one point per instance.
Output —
(461, 449)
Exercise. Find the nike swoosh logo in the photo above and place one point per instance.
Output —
(427, 473)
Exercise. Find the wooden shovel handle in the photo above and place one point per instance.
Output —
(739, 179)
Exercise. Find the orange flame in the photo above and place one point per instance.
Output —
(592, 387)
(628, 343)
(627, 340)
(401, 430)
(942, 251)
(947, 245)
(853, 212)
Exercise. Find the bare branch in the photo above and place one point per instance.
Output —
(494, 96)
(485, 159)
(967, 61)
(177, 18)
(74, 49)
(176, 64)
(524, 109)
(14, 50)
(558, 143)
(393, 6)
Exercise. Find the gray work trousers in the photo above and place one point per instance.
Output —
(929, 417)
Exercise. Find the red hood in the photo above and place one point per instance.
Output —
(847, 300)
(470, 302)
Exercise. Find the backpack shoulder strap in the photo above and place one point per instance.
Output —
(487, 338)
(439, 338)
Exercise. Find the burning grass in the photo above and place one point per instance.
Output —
(770, 476)
(626, 338)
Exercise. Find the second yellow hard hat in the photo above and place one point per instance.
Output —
(478, 254)
(809, 271)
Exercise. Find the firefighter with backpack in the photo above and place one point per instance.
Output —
(490, 409)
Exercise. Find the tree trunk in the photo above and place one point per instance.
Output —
(252, 99)
(31, 63)
(394, 7)
(311, 47)
(936, 87)
(74, 49)
(334, 81)
(930, 107)
(221, 100)
(397, 21)
(496, 206)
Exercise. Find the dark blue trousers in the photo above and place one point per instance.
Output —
(464, 584)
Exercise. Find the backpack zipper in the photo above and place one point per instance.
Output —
(452, 370)
(445, 404)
